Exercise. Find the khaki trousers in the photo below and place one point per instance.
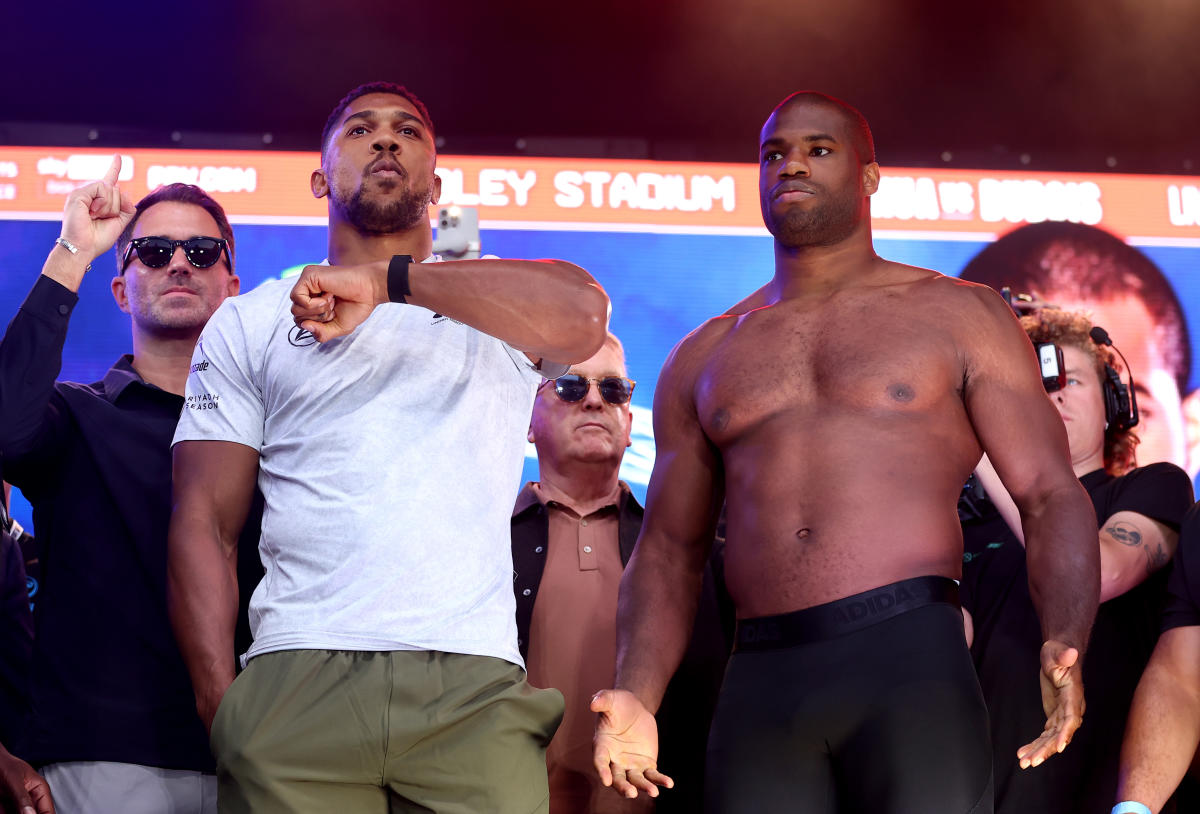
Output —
(399, 731)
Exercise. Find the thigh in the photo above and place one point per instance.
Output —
(303, 730)
(923, 744)
(766, 752)
(81, 787)
(468, 734)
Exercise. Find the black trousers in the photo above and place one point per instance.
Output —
(849, 714)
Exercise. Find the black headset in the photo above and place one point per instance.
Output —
(1120, 401)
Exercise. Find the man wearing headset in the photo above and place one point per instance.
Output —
(1139, 511)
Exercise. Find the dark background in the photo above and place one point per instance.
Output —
(1061, 84)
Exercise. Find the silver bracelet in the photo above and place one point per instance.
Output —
(71, 247)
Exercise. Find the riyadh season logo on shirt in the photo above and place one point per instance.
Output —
(203, 401)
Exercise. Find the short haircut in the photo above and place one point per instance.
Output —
(362, 90)
(178, 193)
(1059, 260)
(1073, 329)
(611, 341)
(864, 142)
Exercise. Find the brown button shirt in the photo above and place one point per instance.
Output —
(573, 645)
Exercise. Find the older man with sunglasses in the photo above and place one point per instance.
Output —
(114, 725)
(573, 531)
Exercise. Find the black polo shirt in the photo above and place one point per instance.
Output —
(1008, 640)
(1183, 587)
(94, 460)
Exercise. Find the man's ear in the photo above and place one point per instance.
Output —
(870, 175)
(119, 294)
(318, 183)
(233, 286)
(436, 189)
(629, 428)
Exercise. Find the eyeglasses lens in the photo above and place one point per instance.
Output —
(572, 388)
(614, 390)
(201, 252)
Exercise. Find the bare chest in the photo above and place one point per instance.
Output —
(865, 363)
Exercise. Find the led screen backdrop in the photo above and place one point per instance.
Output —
(672, 243)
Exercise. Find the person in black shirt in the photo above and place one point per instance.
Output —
(114, 725)
(1138, 510)
(1164, 721)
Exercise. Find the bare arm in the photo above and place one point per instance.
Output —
(1132, 546)
(549, 309)
(214, 485)
(1164, 721)
(1000, 497)
(661, 584)
(1023, 435)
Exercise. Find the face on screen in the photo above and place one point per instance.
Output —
(1132, 329)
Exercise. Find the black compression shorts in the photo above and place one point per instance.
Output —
(865, 704)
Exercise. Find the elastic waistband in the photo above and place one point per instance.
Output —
(842, 616)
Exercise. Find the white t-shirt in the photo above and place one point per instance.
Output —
(389, 459)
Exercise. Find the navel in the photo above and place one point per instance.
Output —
(803, 534)
(720, 419)
(901, 392)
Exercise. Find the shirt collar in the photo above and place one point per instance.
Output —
(527, 498)
(121, 375)
(532, 495)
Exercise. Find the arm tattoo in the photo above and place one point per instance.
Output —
(1125, 534)
(1155, 559)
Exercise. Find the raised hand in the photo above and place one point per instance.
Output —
(1062, 700)
(625, 748)
(95, 214)
(331, 301)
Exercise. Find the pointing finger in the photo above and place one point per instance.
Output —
(114, 171)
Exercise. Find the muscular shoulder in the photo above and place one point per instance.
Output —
(972, 300)
(985, 329)
(677, 380)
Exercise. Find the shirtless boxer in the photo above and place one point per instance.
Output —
(838, 413)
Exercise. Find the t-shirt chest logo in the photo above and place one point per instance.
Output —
(300, 338)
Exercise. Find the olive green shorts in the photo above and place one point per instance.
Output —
(398, 731)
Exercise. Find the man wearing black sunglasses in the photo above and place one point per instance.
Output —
(382, 401)
(838, 413)
(573, 531)
(114, 726)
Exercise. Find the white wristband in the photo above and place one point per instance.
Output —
(1131, 807)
